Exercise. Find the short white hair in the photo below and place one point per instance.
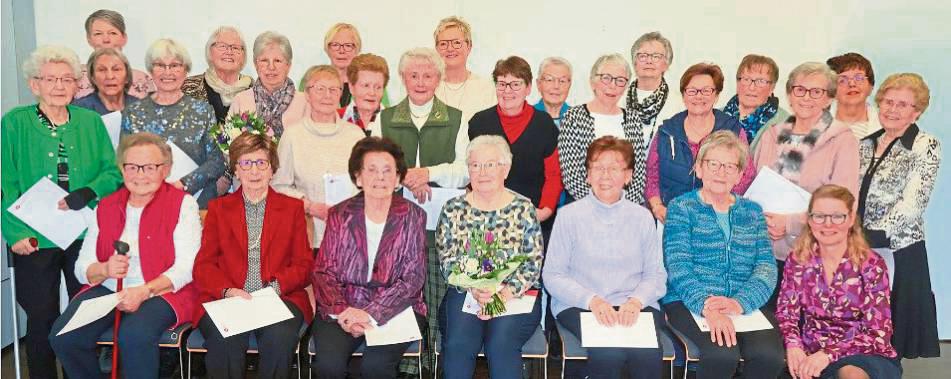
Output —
(423, 53)
(214, 37)
(167, 48)
(558, 61)
(491, 140)
(607, 59)
(273, 38)
(51, 54)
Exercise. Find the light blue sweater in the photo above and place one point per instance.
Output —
(609, 250)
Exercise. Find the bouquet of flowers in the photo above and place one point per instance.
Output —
(483, 267)
(236, 124)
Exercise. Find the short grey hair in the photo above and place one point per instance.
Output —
(110, 16)
(51, 54)
(491, 140)
(167, 48)
(91, 66)
(727, 140)
(271, 37)
(214, 37)
(609, 59)
(423, 53)
(141, 139)
(559, 61)
(811, 68)
(653, 36)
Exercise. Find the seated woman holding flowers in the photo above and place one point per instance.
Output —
(499, 219)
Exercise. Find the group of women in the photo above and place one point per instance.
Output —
(845, 283)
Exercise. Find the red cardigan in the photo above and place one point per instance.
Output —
(286, 256)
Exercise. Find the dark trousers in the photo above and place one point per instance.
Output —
(609, 362)
(37, 287)
(464, 335)
(276, 346)
(139, 334)
(774, 298)
(334, 348)
(761, 350)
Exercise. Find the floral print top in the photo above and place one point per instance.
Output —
(514, 225)
(850, 316)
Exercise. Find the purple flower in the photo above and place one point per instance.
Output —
(467, 246)
(487, 265)
(488, 237)
(222, 138)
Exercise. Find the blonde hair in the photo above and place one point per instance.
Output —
(806, 245)
(453, 22)
(910, 81)
(727, 140)
(322, 69)
(143, 139)
(167, 48)
(337, 28)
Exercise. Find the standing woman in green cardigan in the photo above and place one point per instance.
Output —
(68, 145)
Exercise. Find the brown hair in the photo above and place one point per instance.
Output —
(849, 61)
(247, 143)
(368, 62)
(806, 245)
(910, 81)
(611, 143)
(91, 66)
(375, 145)
(702, 69)
(515, 66)
(752, 61)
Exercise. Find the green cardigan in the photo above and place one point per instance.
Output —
(29, 153)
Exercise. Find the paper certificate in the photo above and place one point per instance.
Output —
(516, 306)
(38, 208)
(182, 164)
(433, 207)
(337, 188)
(777, 194)
(741, 323)
(113, 122)
(401, 328)
(641, 334)
(90, 310)
(235, 315)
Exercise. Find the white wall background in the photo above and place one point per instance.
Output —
(897, 36)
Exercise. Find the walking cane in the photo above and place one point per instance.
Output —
(121, 248)
(16, 310)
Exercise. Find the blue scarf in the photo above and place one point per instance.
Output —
(756, 120)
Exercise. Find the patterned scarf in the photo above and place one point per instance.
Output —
(794, 150)
(271, 106)
(225, 90)
(756, 120)
(648, 109)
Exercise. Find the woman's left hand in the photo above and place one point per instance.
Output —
(131, 298)
(776, 225)
(318, 210)
(724, 305)
(352, 316)
(543, 214)
(629, 311)
(416, 177)
(813, 365)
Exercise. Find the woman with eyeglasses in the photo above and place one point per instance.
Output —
(833, 306)
(316, 146)
(649, 97)
(754, 104)
(597, 118)
(342, 43)
(253, 239)
(222, 81)
(855, 83)
(899, 167)
(460, 88)
(181, 120)
(672, 152)
(808, 149)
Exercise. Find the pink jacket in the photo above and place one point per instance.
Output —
(299, 108)
(833, 160)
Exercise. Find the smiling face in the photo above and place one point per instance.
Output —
(897, 110)
(342, 48)
(828, 233)
(650, 69)
(60, 90)
(700, 103)
(487, 173)
(272, 67)
(140, 182)
(752, 95)
(225, 57)
(851, 91)
(607, 175)
(806, 107)
(323, 93)
(554, 83)
(421, 79)
(109, 75)
(102, 34)
(379, 176)
(445, 45)
(719, 170)
(510, 100)
(168, 74)
(609, 93)
(255, 179)
(368, 90)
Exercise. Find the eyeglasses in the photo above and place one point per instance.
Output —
(345, 47)
(172, 67)
(551, 80)
(320, 88)
(716, 166)
(815, 93)
(148, 168)
(444, 44)
(478, 167)
(619, 81)
(759, 83)
(899, 106)
(607, 170)
(857, 78)
(247, 164)
(51, 80)
(822, 218)
(515, 85)
(224, 47)
(705, 91)
(649, 58)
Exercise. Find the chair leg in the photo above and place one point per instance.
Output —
(545, 365)
(189, 365)
(181, 364)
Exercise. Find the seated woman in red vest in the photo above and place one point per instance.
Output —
(160, 224)
(254, 238)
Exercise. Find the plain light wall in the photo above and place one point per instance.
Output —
(896, 36)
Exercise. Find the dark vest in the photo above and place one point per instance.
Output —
(436, 140)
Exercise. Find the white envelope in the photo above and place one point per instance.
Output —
(741, 323)
(642, 334)
(518, 306)
(113, 123)
(777, 194)
(37, 207)
(182, 164)
(433, 207)
(90, 310)
(401, 328)
(337, 188)
(235, 315)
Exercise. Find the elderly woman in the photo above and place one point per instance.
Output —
(460, 88)
(181, 120)
(598, 118)
(302, 172)
(50, 140)
(554, 82)
(672, 152)
(234, 261)
(605, 257)
(510, 217)
(899, 166)
(808, 149)
(649, 97)
(272, 96)
(836, 288)
(719, 263)
(531, 134)
(106, 29)
(160, 223)
(754, 104)
(369, 75)
(371, 266)
(226, 54)
(855, 82)
(110, 82)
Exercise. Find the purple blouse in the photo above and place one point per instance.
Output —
(849, 317)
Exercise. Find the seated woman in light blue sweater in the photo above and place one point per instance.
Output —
(719, 263)
(605, 257)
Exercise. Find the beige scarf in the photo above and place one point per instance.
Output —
(225, 90)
